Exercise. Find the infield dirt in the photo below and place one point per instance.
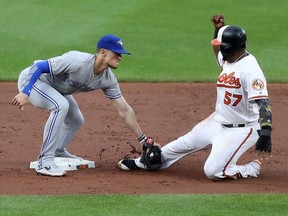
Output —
(165, 111)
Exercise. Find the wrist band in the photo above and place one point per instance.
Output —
(265, 132)
(142, 138)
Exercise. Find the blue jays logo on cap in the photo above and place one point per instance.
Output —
(112, 43)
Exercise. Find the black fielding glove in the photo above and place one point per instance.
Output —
(147, 145)
(264, 141)
(151, 154)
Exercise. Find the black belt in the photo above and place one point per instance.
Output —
(233, 125)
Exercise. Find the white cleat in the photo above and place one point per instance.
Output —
(253, 167)
(65, 154)
(256, 165)
(53, 170)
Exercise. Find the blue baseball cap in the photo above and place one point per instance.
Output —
(112, 43)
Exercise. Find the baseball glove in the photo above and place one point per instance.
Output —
(151, 155)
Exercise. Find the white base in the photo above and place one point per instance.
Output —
(69, 164)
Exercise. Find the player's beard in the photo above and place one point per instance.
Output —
(227, 57)
(224, 55)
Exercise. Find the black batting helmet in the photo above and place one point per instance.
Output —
(231, 39)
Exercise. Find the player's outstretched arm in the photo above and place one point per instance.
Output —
(128, 115)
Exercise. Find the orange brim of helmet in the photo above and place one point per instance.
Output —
(215, 42)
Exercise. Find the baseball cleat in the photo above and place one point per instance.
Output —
(53, 170)
(256, 165)
(254, 168)
(65, 154)
(127, 164)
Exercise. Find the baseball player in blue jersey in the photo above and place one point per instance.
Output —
(49, 84)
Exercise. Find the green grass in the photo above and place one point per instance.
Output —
(170, 40)
(119, 205)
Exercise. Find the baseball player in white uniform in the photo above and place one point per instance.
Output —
(242, 116)
(49, 84)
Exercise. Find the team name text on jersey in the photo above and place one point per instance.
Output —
(228, 81)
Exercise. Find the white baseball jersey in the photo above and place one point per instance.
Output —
(238, 86)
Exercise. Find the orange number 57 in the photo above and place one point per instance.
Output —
(229, 96)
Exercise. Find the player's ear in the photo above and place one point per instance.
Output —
(103, 52)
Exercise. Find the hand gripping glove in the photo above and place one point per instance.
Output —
(151, 155)
(264, 141)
